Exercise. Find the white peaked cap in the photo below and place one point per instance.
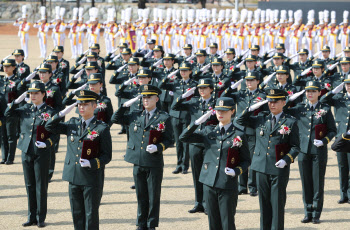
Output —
(321, 17)
(197, 15)
(43, 12)
(81, 13)
(184, 13)
(235, 16)
(208, 15)
(111, 15)
(244, 13)
(191, 15)
(290, 15)
(213, 14)
(75, 13)
(298, 16)
(283, 17)
(326, 15)
(139, 14)
(227, 15)
(62, 12)
(93, 12)
(128, 15)
(160, 15)
(272, 16)
(257, 16)
(275, 15)
(57, 12)
(169, 12)
(345, 16)
(24, 11)
(145, 15)
(250, 16)
(333, 17)
(262, 16)
(122, 15)
(173, 15)
(221, 15)
(267, 15)
(178, 16)
(155, 14)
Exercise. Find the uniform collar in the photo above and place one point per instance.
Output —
(277, 116)
(87, 122)
(226, 127)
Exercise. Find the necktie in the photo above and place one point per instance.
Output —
(312, 108)
(273, 122)
(203, 105)
(35, 109)
(83, 126)
(147, 118)
(222, 131)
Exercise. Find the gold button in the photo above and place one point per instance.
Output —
(220, 142)
(144, 130)
(267, 154)
(269, 141)
(216, 166)
(270, 135)
(78, 148)
(218, 158)
(79, 141)
(30, 135)
(218, 149)
(143, 136)
(268, 147)
(308, 135)
(31, 124)
(77, 155)
(309, 130)
(76, 163)
(33, 118)
(141, 148)
(141, 142)
(309, 123)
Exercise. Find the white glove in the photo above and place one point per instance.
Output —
(129, 81)
(239, 65)
(306, 71)
(267, 61)
(31, 76)
(116, 57)
(281, 164)
(339, 54)
(82, 60)
(188, 93)
(235, 85)
(40, 145)
(203, 118)
(348, 132)
(77, 75)
(230, 172)
(86, 51)
(333, 66)
(6, 57)
(257, 105)
(158, 62)
(21, 98)
(191, 57)
(121, 68)
(296, 95)
(171, 76)
(318, 143)
(84, 163)
(115, 50)
(171, 93)
(148, 54)
(131, 101)
(293, 56)
(80, 88)
(67, 110)
(151, 148)
(317, 54)
(245, 52)
(268, 78)
(338, 88)
(222, 55)
(205, 68)
(271, 51)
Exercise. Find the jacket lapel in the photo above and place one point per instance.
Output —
(153, 118)
(91, 126)
(279, 123)
(228, 133)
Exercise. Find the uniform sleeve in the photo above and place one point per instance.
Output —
(328, 99)
(294, 143)
(190, 136)
(105, 148)
(181, 104)
(342, 143)
(244, 157)
(246, 119)
(54, 125)
(120, 117)
(331, 128)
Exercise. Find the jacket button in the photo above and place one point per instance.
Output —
(309, 123)
(268, 147)
(269, 141)
(218, 149)
(79, 141)
(30, 135)
(77, 155)
(141, 142)
(267, 154)
(144, 130)
(216, 166)
(309, 130)
(143, 136)
(218, 158)
(76, 163)
(141, 148)
(78, 148)
(270, 135)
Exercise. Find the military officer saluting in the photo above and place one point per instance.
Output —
(36, 144)
(201, 68)
(230, 64)
(89, 149)
(226, 157)
(341, 103)
(316, 129)
(277, 145)
(187, 49)
(23, 69)
(151, 133)
(197, 107)
(59, 76)
(213, 49)
(63, 64)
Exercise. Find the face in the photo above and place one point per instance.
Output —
(303, 57)
(205, 92)
(86, 110)
(276, 106)
(53, 65)
(133, 68)
(252, 84)
(345, 67)
(45, 76)
(280, 51)
(224, 117)
(200, 59)
(19, 58)
(90, 59)
(282, 78)
(151, 46)
(217, 68)
(255, 52)
(347, 87)
(121, 50)
(96, 87)
(277, 61)
(185, 73)
(347, 53)
(312, 95)
(250, 64)
(59, 55)
(230, 57)
(37, 97)
(157, 54)
(126, 57)
(168, 63)
(149, 102)
(90, 71)
(9, 70)
(95, 50)
(325, 54)
(317, 71)
(144, 80)
(213, 50)
(187, 52)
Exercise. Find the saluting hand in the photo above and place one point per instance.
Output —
(257, 105)
(67, 110)
(131, 101)
(21, 98)
(203, 118)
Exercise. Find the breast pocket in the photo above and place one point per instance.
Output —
(135, 127)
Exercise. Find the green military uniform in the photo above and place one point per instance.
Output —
(196, 67)
(85, 183)
(211, 57)
(341, 103)
(273, 69)
(244, 99)
(299, 67)
(238, 75)
(148, 167)
(35, 160)
(313, 159)
(114, 61)
(180, 118)
(271, 180)
(63, 65)
(220, 189)
(329, 61)
(8, 87)
(59, 75)
(230, 66)
(148, 62)
(196, 108)
(183, 58)
(23, 70)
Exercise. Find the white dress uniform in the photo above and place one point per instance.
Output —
(23, 31)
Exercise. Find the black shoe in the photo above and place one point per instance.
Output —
(151, 228)
(41, 225)
(197, 208)
(141, 228)
(242, 192)
(29, 223)
(343, 200)
(132, 186)
(316, 220)
(185, 171)
(306, 220)
(122, 132)
(177, 171)
(2, 162)
(9, 162)
(253, 194)
(205, 212)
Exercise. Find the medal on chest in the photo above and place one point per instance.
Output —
(261, 132)
(71, 138)
(135, 128)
